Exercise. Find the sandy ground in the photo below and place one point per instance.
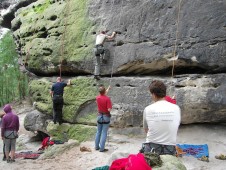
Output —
(213, 135)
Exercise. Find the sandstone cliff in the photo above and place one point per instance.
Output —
(50, 33)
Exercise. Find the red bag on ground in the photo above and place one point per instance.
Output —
(45, 143)
(119, 164)
(133, 162)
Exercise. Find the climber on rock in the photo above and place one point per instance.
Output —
(100, 51)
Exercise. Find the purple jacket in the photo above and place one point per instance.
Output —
(10, 121)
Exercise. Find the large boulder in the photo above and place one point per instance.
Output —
(53, 33)
(200, 97)
(36, 121)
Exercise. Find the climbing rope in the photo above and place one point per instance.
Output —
(177, 33)
(63, 37)
(176, 39)
(112, 67)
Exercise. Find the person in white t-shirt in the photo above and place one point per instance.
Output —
(100, 50)
(161, 121)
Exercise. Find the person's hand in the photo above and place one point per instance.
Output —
(69, 82)
(109, 87)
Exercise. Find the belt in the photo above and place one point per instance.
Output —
(97, 45)
(107, 114)
(58, 95)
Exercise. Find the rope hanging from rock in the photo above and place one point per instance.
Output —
(63, 38)
(175, 57)
(112, 67)
(177, 33)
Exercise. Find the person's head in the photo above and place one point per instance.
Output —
(58, 79)
(158, 89)
(102, 89)
(103, 32)
(7, 108)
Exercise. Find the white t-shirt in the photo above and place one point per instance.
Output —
(100, 38)
(162, 119)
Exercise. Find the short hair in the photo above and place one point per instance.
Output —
(158, 88)
(102, 89)
(103, 32)
(58, 78)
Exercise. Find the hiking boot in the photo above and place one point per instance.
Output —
(105, 150)
(12, 160)
(97, 77)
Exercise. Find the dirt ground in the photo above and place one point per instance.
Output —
(213, 135)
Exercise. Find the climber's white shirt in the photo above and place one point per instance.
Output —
(162, 118)
(100, 39)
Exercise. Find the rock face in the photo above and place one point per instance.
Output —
(50, 33)
(202, 98)
(57, 36)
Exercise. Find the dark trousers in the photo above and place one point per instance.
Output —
(4, 155)
(58, 103)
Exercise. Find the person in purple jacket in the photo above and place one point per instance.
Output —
(9, 132)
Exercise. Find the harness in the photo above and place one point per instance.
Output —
(101, 119)
(158, 148)
(99, 49)
(15, 136)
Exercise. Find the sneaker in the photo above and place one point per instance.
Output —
(105, 150)
(8, 161)
(4, 158)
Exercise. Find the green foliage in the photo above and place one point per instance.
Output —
(13, 84)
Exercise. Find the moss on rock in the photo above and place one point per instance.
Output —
(39, 91)
(76, 96)
(170, 162)
(73, 131)
(90, 118)
(61, 27)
